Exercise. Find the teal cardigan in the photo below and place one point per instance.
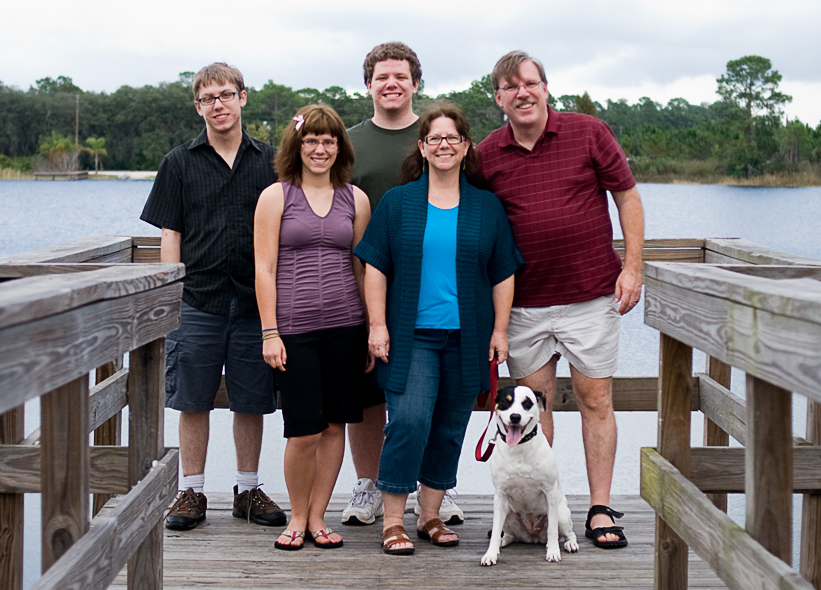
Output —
(485, 256)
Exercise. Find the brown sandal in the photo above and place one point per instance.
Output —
(434, 530)
(393, 536)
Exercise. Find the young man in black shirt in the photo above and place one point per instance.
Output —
(204, 199)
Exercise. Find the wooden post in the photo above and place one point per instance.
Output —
(810, 561)
(146, 403)
(110, 433)
(714, 436)
(675, 383)
(12, 432)
(64, 468)
(769, 467)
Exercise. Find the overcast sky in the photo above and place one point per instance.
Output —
(626, 49)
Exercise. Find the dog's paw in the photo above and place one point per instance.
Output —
(554, 554)
(490, 558)
(571, 545)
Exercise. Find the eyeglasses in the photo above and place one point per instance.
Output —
(328, 144)
(530, 86)
(223, 98)
(437, 139)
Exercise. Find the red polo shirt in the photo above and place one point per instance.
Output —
(555, 197)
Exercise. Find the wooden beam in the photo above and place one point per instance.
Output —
(722, 407)
(675, 386)
(12, 431)
(714, 434)
(732, 553)
(41, 355)
(94, 562)
(20, 469)
(722, 469)
(64, 468)
(769, 467)
(146, 397)
(746, 252)
(105, 415)
(810, 560)
(93, 248)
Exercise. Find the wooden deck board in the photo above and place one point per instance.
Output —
(225, 552)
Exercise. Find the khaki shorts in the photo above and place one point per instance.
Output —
(586, 334)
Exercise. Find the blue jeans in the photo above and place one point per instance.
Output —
(427, 422)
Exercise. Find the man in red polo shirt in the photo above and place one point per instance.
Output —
(552, 172)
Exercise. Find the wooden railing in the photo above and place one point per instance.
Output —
(766, 321)
(66, 312)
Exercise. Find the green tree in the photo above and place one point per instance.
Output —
(584, 104)
(97, 149)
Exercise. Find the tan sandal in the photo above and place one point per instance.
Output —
(396, 535)
(434, 530)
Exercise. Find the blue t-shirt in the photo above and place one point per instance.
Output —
(438, 298)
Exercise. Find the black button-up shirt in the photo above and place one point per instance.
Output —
(212, 206)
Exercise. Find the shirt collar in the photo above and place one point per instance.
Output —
(202, 139)
(552, 126)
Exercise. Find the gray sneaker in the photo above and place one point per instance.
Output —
(449, 512)
(365, 505)
(255, 506)
(187, 512)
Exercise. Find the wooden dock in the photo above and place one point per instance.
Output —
(226, 552)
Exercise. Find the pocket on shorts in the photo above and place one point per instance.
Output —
(171, 354)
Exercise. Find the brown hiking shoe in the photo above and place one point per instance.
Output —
(187, 512)
(256, 507)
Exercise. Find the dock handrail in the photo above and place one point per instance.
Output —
(61, 319)
(760, 311)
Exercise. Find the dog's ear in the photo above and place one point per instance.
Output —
(504, 398)
(541, 400)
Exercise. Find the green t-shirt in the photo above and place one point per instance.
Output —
(379, 154)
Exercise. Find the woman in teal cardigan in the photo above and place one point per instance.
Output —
(440, 260)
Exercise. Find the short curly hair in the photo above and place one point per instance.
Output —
(393, 50)
(317, 119)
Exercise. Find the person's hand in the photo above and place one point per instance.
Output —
(628, 289)
(273, 351)
(379, 342)
(498, 346)
(371, 362)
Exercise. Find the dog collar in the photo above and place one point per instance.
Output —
(525, 438)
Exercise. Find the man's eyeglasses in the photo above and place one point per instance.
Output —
(437, 139)
(223, 98)
(530, 86)
(328, 144)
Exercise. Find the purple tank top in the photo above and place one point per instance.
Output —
(316, 287)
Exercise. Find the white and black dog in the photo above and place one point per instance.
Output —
(529, 505)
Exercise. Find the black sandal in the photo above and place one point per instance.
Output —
(596, 534)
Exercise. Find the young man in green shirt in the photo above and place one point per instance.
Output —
(392, 75)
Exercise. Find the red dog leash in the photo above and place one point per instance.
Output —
(488, 400)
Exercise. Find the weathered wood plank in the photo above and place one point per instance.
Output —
(106, 399)
(722, 407)
(714, 435)
(146, 395)
(20, 469)
(64, 468)
(722, 469)
(94, 561)
(34, 298)
(810, 554)
(83, 249)
(769, 467)
(752, 253)
(148, 241)
(675, 386)
(43, 354)
(768, 344)
(21, 271)
(12, 431)
(739, 560)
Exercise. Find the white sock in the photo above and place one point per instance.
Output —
(197, 482)
(247, 480)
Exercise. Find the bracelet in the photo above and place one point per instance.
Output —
(270, 330)
(270, 335)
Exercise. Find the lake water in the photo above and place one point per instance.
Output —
(38, 214)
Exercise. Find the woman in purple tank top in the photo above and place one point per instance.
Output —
(309, 290)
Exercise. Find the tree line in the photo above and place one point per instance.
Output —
(743, 133)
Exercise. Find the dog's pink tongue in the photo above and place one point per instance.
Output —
(514, 435)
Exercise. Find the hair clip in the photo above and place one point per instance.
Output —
(300, 120)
